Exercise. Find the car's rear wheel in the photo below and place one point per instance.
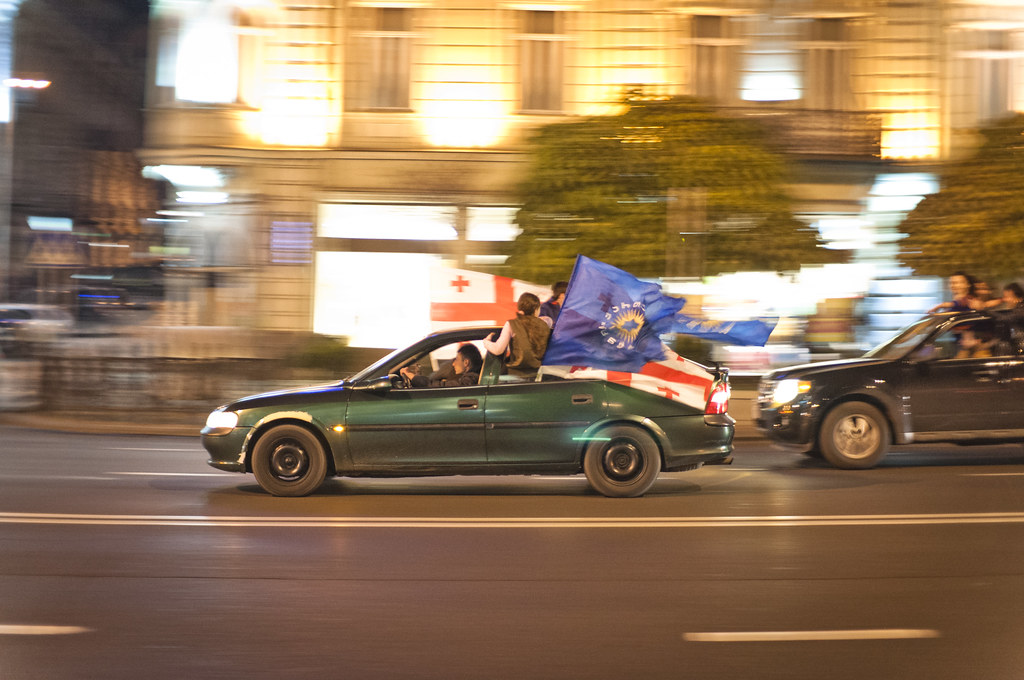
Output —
(854, 436)
(289, 461)
(622, 461)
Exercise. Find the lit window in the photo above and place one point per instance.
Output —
(388, 221)
(541, 61)
(209, 55)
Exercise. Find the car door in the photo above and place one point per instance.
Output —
(416, 427)
(949, 392)
(540, 422)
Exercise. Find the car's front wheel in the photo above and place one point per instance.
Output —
(289, 460)
(622, 461)
(854, 436)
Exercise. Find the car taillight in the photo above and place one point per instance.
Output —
(718, 401)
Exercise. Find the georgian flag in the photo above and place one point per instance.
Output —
(460, 297)
(674, 377)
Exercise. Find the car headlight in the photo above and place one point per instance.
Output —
(788, 390)
(221, 422)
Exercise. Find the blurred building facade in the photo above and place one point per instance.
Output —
(78, 201)
(325, 153)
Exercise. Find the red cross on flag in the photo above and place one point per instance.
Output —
(675, 377)
(460, 297)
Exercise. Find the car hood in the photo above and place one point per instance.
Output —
(832, 367)
(309, 393)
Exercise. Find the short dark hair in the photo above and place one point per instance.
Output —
(1015, 288)
(559, 287)
(528, 304)
(470, 352)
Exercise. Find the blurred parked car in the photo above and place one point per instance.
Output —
(376, 425)
(955, 377)
(27, 323)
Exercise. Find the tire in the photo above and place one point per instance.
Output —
(289, 461)
(854, 436)
(622, 462)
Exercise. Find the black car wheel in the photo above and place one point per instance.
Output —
(622, 461)
(854, 436)
(289, 461)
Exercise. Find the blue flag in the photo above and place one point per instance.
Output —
(610, 319)
(753, 332)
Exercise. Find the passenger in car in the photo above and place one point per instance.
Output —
(1013, 297)
(983, 298)
(525, 337)
(975, 344)
(961, 286)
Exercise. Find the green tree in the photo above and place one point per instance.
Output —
(975, 222)
(602, 187)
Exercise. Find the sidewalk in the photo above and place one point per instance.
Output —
(177, 423)
(152, 423)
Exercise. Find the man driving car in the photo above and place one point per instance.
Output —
(463, 370)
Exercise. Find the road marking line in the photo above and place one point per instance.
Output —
(42, 630)
(993, 474)
(149, 448)
(511, 522)
(169, 474)
(814, 635)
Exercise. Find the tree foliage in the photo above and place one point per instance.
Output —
(975, 222)
(602, 187)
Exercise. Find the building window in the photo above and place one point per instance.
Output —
(541, 61)
(715, 57)
(380, 58)
(991, 69)
(212, 55)
(828, 82)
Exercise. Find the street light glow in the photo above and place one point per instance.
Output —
(26, 83)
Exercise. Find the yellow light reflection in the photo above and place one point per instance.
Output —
(295, 122)
(910, 143)
(465, 115)
(910, 134)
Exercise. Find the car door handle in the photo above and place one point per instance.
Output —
(582, 399)
(468, 404)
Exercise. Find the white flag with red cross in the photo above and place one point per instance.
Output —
(460, 297)
(674, 377)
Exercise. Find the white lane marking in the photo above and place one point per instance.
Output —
(993, 474)
(815, 635)
(42, 630)
(169, 474)
(512, 522)
(149, 448)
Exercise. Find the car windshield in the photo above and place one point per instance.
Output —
(906, 340)
(373, 370)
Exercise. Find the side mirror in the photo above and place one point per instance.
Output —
(381, 384)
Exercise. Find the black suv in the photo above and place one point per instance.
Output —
(955, 377)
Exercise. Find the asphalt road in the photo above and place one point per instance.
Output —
(126, 557)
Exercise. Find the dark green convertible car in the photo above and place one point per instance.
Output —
(375, 424)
